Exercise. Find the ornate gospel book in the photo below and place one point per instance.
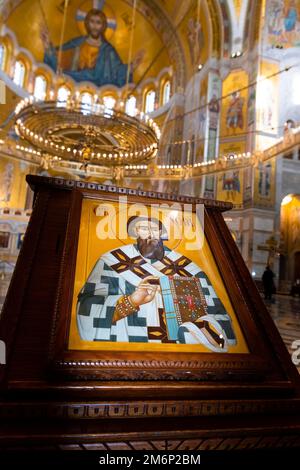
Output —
(184, 301)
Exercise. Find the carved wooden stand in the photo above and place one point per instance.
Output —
(55, 398)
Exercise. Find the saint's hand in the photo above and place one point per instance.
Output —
(145, 291)
(138, 59)
(44, 35)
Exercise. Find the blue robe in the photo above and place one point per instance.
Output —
(290, 19)
(109, 69)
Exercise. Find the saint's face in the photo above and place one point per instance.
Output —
(149, 240)
(148, 230)
(96, 26)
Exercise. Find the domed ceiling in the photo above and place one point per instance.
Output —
(167, 33)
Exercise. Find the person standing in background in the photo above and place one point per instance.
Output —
(268, 282)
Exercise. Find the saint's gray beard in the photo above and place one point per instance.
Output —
(151, 248)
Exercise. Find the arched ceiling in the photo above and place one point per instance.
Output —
(154, 31)
(166, 30)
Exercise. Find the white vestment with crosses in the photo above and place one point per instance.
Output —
(118, 273)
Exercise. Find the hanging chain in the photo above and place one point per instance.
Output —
(58, 70)
(131, 43)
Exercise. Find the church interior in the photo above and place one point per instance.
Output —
(194, 99)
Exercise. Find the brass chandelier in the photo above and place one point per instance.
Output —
(88, 134)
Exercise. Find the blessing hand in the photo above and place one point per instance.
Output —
(44, 35)
(138, 59)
